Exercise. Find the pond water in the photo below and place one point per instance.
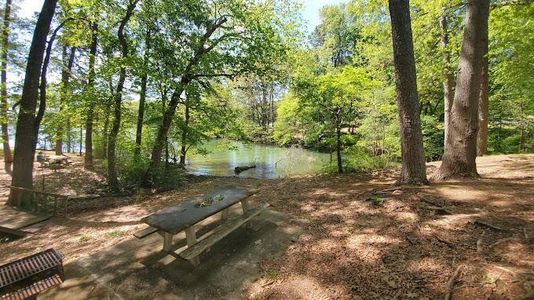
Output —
(220, 157)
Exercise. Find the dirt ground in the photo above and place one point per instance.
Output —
(362, 239)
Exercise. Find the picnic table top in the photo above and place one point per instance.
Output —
(176, 218)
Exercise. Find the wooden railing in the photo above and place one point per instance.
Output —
(44, 201)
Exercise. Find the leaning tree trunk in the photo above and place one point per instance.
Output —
(4, 119)
(42, 87)
(142, 99)
(448, 95)
(413, 155)
(483, 105)
(66, 69)
(459, 159)
(186, 79)
(185, 133)
(24, 137)
(112, 142)
(88, 159)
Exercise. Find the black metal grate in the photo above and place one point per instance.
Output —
(31, 275)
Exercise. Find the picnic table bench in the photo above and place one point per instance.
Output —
(27, 277)
(183, 217)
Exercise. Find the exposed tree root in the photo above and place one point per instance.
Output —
(502, 241)
(488, 225)
(451, 282)
(479, 243)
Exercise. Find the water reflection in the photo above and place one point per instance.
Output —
(270, 161)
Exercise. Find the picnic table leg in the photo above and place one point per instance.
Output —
(167, 241)
(191, 237)
(225, 214)
(245, 207)
(246, 211)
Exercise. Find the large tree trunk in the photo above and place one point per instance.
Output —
(448, 95)
(459, 159)
(4, 119)
(142, 98)
(483, 104)
(112, 143)
(413, 156)
(66, 69)
(24, 137)
(88, 159)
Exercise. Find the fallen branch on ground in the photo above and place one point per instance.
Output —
(450, 283)
(479, 242)
(444, 241)
(440, 210)
(502, 241)
(488, 225)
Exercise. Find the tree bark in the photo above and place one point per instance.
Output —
(88, 159)
(413, 156)
(183, 150)
(8, 157)
(459, 159)
(448, 95)
(24, 137)
(483, 103)
(105, 131)
(338, 149)
(142, 98)
(66, 69)
(112, 143)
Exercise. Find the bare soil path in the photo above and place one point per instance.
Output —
(361, 239)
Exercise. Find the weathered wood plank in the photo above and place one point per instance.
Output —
(145, 232)
(16, 219)
(177, 218)
(14, 232)
(219, 233)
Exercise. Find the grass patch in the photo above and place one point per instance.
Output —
(84, 238)
(115, 233)
(273, 274)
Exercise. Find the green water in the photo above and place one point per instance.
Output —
(220, 157)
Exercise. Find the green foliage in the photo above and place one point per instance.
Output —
(433, 138)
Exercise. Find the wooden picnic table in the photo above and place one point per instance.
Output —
(182, 217)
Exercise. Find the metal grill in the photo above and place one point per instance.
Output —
(34, 289)
(31, 275)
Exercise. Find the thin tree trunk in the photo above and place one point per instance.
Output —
(24, 137)
(8, 158)
(68, 61)
(338, 149)
(88, 159)
(142, 99)
(42, 88)
(448, 95)
(105, 132)
(185, 129)
(413, 155)
(81, 141)
(69, 136)
(459, 159)
(112, 143)
(483, 104)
